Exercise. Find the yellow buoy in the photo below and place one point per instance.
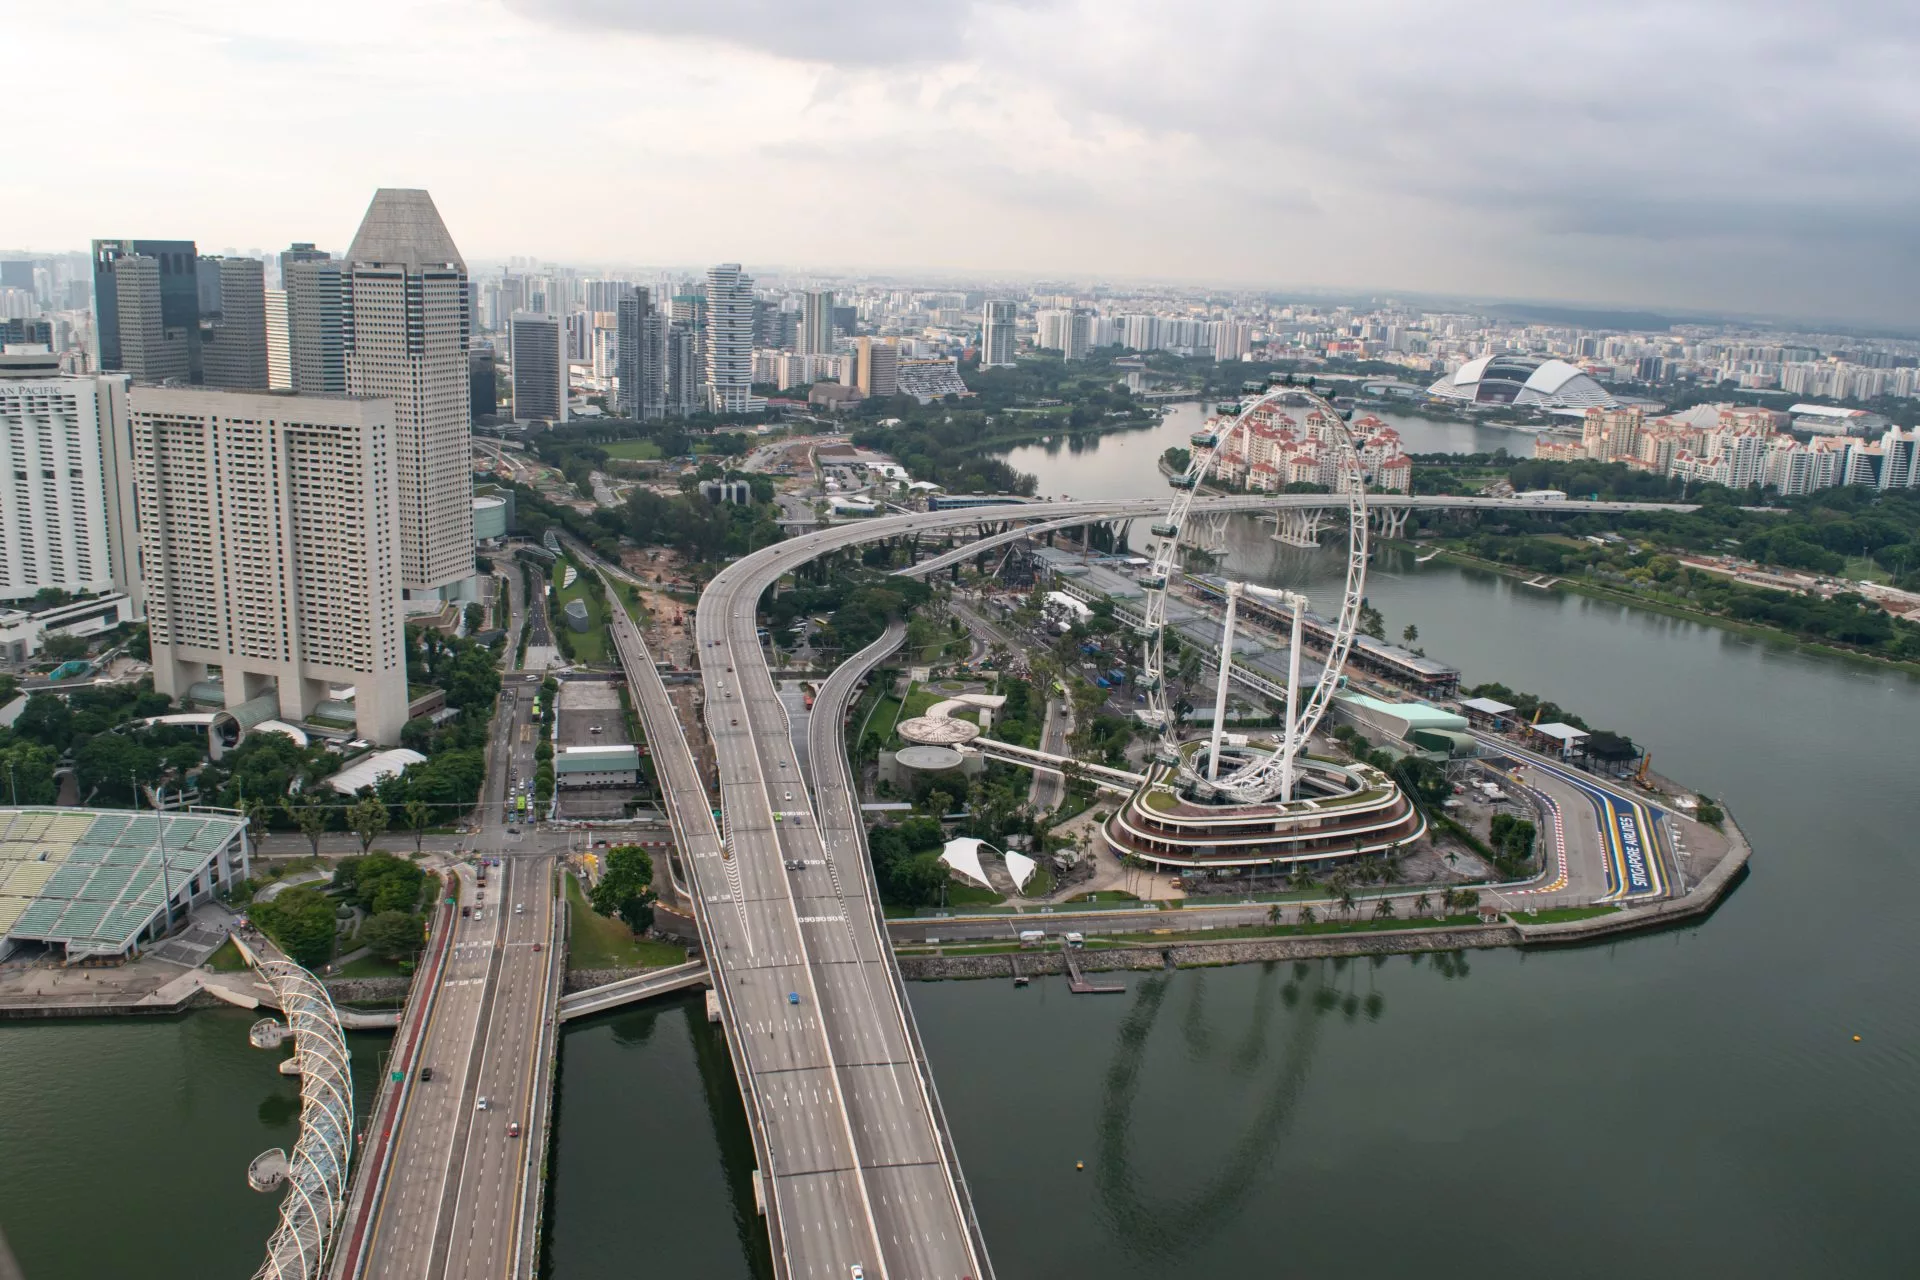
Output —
(1856, 1039)
(1080, 1165)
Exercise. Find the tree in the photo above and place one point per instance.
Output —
(419, 818)
(1709, 813)
(1410, 633)
(255, 810)
(1307, 915)
(1423, 905)
(624, 889)
(64, 648)
(393, 935)
(475, 614)
(368, 819)
(311, 816)
(1383, 909)
(300, 920)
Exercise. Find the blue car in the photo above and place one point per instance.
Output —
(793, 997)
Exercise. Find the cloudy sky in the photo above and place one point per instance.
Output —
(1752, 155)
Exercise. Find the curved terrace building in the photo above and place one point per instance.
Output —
(1340, 812)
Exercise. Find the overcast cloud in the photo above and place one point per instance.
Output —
(1759, 155)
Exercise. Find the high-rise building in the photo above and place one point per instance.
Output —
(316, 323)
(407, 325)
(640, 357)
(996, 334)
(816, 323)
(300, 251)
(147, 309)
(539, 353)
(17, 273)
(483, 389)
(66, 519)
(279, 354)
(729, 309)
(686, 372)
(29, 332)
(233, 323)
(878, 365)
(270, 546)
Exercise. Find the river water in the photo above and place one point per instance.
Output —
(1116, 464)
(1686, 1103)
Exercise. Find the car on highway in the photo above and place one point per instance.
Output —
(513, 1129)
(466, 912)
(426, 1073)
(796, 864)
(480, 1103)
(859, 1272)
(519, 908)
(793, 997)
(538, 947)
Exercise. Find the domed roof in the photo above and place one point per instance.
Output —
(1536, 381)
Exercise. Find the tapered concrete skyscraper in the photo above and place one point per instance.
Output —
(407, 323)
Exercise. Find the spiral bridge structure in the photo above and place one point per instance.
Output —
(316, 1169)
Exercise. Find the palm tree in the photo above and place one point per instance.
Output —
(1306, 913)
(1383, 909)
(419, 818)
(1275, 914)
(1346, 899)
(1423, 905)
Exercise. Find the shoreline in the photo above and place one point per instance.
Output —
(1698, 902)
(1681, 612)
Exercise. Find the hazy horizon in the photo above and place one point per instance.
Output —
(1751, 160)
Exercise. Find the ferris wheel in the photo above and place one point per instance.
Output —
(1260, 776)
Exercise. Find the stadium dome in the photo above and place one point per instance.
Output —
(1533, 381)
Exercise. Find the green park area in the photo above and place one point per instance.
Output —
(595, 941)
(582, 646)
(633, 450)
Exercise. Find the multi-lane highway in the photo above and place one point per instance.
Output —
(461, 1196)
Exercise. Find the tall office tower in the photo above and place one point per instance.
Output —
(483, 390)
(66, 519)
(406, 329)
(300, 251)
(996, 335)
(769, 325)
(685, 380)
(579, 335)
(270, 543)
(845, 319)
(31, 332)
(816, 323)
(640, 358)
(729, 339)
(878, 365)
(279, 355)
(316, 323)
(17, 273)
(146, 307)
(233, 323)
(539, 353)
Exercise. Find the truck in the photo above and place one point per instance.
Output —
(1032, 937)
(1076, 940)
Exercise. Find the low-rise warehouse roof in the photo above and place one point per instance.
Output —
(596, 759)
(369, 769)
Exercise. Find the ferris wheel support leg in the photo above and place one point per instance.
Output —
(1289, 744)
(1220, 689)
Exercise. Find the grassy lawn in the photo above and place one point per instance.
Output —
(589, 645)
(1164, 801)
(966, 895)
(1560, 915)
(370, 967)
(595, 942)
(227, 958)
(1105, 895)
(633, 450)
(1861, 569)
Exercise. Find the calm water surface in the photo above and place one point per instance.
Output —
(1121, 464)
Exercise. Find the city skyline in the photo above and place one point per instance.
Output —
(1374, 150)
